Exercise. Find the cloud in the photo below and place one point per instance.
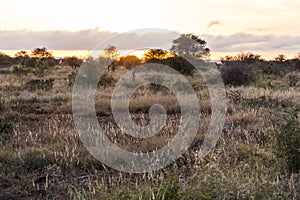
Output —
(250, 42)
(89, 39)
(82, 40)
(65, 40)
(213, 23)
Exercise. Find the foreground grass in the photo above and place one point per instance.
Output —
(42, 156)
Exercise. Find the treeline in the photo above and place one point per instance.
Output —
(241, 69)
(39, 57)
(246, 68)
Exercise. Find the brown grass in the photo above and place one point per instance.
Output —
(43, 157)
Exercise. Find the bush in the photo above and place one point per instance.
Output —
(35, 159)
(19, 70)
(238, 73)
(72, 61)
(293, 79)
(279, 68)
(38, 84)
(5, 60)
(106, 81)
(5, 126)
(287, 146)
(31, 62)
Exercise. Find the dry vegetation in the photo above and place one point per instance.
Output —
(42, 156)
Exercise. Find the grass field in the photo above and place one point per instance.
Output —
(42, 156)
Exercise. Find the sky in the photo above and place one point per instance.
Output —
(266, 27)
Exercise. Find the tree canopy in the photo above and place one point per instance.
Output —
(41, 53)
(111, 52)
(190, 44)
(129, 61)
(155, 54)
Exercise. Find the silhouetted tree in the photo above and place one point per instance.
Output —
(155, 54)
(21, 57)
(280, 58)
(21, 54)
(41, 53)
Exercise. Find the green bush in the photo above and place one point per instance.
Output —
(287, 146)
(20, 70)
(5, 126)
(36, 160)
(38, 84)
(106, 81)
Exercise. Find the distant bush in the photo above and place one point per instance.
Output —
(280, 68)
(293, 79)
(72, 61)
(106, 81)
(20, 70)
(38, 84)
(31, 62)
(5, 126)
(238, 73)
(5, 60)
(178, 63)
(71, 78)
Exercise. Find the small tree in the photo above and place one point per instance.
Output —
(155, 54)
(280, 58)
(111, 54)
(21, 57)
(129, 61)
(41, 53)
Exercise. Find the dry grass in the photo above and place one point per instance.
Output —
(43, 156)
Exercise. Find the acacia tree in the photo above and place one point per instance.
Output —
(280, 58)
(21, 57)
(190, 44)
(41, 53)
(155, 54)
(21, 53)
(111, 54)
(42, 59)
(129, 61)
